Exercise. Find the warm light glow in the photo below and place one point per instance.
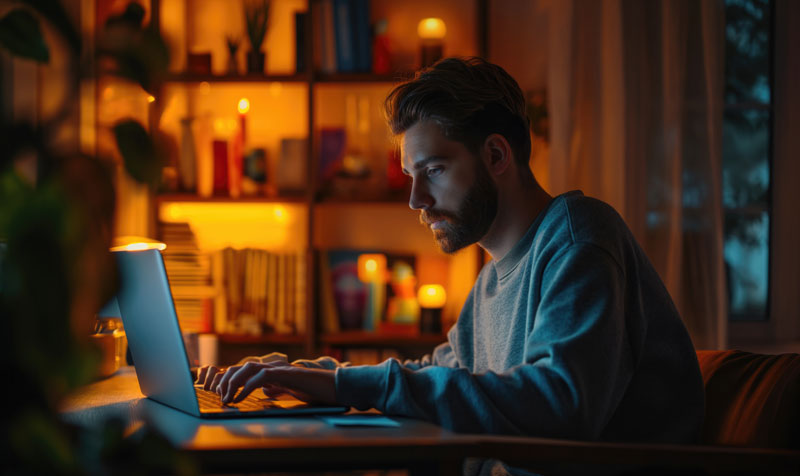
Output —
(431, 29)
(240, 224)
(205, 88)
(136, 243)
(371, 267)
(281, 215)
(225, 212)
(431, 296)
(244, 106)
(151, 98)
(275, 89)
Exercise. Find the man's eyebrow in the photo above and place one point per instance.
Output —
(422, 163)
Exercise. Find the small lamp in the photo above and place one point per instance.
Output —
(136, 243)
(431, 299)
(431, 31)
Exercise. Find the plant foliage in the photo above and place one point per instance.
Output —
(56, 271)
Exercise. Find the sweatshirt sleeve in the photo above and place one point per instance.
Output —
(577, 364)
(442, 356)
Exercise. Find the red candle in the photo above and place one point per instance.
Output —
(244, 106)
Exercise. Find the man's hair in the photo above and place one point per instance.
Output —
(469, 98)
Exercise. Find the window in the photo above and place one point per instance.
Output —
(746, 156)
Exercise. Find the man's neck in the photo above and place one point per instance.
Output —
(514, 218)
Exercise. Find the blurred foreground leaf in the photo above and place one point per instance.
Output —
(21, 36)
(53, 11)
(143, 160)
(129, 51)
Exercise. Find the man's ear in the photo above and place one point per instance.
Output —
(498, 153)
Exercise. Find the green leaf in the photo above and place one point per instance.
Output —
(143, 160)
(53, 11)
(139, 55)
(21, 36)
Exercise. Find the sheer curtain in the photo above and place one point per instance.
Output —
(635, 93)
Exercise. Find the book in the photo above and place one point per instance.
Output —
(291, 175)
(349, 293)
(260, 289)
(300, 41)
(300, 293)
(343, 32)
(189, 274)
(330, 318)
(326, 37)
(333, 141)
(363, 36)
(220, 153)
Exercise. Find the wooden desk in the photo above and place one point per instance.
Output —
(302, 443)
(310, 444)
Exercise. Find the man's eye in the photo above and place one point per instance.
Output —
(433, 171)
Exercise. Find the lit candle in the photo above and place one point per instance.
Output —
(243, 107)
(432, 32)
(372, 271)
(432, 298)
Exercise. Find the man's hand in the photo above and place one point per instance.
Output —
(276, 378)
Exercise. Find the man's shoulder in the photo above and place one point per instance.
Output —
(579, 215)
(575, 218)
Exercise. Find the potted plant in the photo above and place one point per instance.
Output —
(57, 210)
(256, 16)
(232, 42)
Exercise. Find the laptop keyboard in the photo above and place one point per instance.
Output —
(210, 401)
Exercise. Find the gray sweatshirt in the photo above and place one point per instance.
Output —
(570, 335)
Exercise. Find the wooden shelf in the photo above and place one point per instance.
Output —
(237, 78)
(189, 197)
(362, 77)
(283, 339)
(311, 92)
(289, 78)
(364, 200)
(375, 339)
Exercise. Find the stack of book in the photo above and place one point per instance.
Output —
(261, 292)
(189, 274)
(343, 36)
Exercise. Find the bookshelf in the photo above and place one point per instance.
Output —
(316, 100)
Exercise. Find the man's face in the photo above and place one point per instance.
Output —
(451, 187)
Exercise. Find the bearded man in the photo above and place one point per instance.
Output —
(568, 331)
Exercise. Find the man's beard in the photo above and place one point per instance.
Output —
(473, 218)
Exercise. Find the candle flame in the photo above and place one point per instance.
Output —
(244, 106)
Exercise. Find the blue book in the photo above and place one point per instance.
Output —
(363, 36)
(343, 31)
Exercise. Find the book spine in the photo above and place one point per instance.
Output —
(300, 293)
(363, 36)
(345, 50)
(328, 46)
(220, 299)
(300, 41)
(330, 317)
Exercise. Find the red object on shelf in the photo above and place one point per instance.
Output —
(235, 161)
(381, 57)
(395, 178)
(220, 167)
(243, 129)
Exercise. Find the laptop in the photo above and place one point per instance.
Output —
(159, 354)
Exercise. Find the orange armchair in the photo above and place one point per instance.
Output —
(752, 426)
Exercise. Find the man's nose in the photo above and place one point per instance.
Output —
(420, 197)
